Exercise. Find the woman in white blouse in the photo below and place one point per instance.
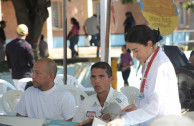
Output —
(158, 90)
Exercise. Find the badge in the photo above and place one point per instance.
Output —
(90, 113)
(141, 96)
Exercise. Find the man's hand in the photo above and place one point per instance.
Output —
(130, 108)
(86, 122)
(116, 122)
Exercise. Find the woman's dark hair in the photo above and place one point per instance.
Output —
(103, 65)
(192, 53)
(142, 34)
(74, 21)
(128, 50)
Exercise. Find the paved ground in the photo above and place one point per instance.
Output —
(57, 53)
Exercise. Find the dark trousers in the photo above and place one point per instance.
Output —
(73, 42)
(125, 75)
(96, 40)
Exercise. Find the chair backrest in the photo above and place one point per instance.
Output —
(59, 79)
(76, 92)
(9, 101)
(4, 86)
(131, 93)
(22, 83)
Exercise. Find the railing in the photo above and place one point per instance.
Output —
(179, 38)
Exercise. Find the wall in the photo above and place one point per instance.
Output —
(75, 8)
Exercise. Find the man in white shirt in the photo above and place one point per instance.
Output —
(93, 106)
(92, 27)
(45, 99)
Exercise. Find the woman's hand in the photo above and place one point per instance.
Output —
(130, 108)
(123, 68)
(116, 122)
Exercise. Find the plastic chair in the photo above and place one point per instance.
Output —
(4, 87)
(22, 83)
(76, 92)
(131, 93)
(9, 101)
(59, 79)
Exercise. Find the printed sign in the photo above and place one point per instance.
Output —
(160, 13)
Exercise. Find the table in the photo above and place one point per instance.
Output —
(6, 120)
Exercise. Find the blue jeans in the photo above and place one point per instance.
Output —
(73, 42)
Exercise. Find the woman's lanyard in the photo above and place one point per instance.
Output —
(146, 73)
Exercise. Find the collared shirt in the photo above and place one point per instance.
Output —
(161, 95)
(91, 105)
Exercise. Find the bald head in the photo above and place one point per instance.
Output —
(49, 64)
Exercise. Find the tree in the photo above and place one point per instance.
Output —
(33, 13)
(189, 4)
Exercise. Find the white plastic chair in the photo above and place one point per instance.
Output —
(4, 87)
(9, 101)
(76, 92)
(131, 93)
(59, 79)
(22, 83)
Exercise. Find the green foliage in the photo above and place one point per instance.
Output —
(128, 1)
(189, 4)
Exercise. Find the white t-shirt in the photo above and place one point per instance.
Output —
(56, 104)
(161, 95)
(91, 105)
(91, 25)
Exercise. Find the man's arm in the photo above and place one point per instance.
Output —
(85, 30)
(86, 122)
(30, 56)
(17, 114)
(98, 27)
(70, 119)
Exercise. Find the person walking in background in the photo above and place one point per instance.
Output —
(92, 27)
(19, 54)
(128, 23)
(43, 47)
(126, 63)
(73, 36)
(191, 58)
(2, 41)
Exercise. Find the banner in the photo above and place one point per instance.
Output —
(160, 13)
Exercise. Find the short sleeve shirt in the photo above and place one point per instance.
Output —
(91, 105)
(55, 104)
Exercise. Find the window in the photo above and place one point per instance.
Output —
(56, 15)
(182, 15)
